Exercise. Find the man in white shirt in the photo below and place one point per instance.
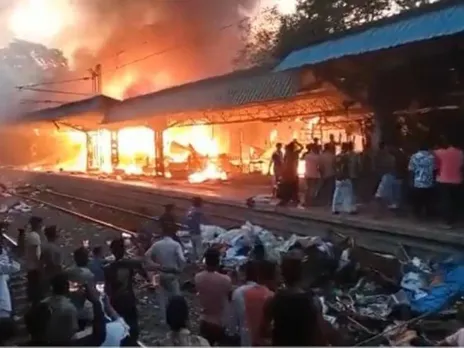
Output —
(7, 267)
(32, 252)
(312, 173)
(167, 257)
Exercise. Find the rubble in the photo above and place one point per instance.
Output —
(372, 298)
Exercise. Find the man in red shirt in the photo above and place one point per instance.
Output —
(450, 160)
(214, 290)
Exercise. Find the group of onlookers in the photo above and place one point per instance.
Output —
(393, 177)
(93, 302)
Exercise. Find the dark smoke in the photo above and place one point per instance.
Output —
(132, 29)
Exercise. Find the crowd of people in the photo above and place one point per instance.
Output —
(395, 179)
(93, 302)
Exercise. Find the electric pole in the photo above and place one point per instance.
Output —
(96, 74)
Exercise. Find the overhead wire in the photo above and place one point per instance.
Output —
(178, 46)
(38, 84)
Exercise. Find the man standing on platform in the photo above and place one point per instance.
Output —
(450, 167)
(277, 160)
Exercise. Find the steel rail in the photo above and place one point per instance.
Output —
(109, 206)
(394, 243)
(77, 214)
(14, 243)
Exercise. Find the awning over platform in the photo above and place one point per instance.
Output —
(397, 31)
(222, 92)
(94, 107)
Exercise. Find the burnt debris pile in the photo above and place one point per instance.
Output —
(368, 297)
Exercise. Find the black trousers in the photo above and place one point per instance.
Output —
(131, 317)
(213, 333)
(421, 199)
(35, 288)
(450, 195)
(288, 191)
(325, 194)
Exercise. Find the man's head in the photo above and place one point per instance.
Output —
(279, 146)
(197, 202)
(424, 146)
(350, 146)
(251, 272)
(51, 233)
(60, 284)
(291, 269)
(169, 208)
(118, 248)
(212, 259)
(35, 222)
(97, 252)
(266, 272)
(81, 257)
(177, 313)
(345, 147)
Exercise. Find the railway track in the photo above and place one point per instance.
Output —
(131, 209)
(121, 219)
(17, 282)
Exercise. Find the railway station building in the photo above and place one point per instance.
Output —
(364, 85)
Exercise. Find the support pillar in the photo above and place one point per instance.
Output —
(90, 154)
(114, 149)
(382, 103)
(159, 152)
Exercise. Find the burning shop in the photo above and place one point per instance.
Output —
(229, 125)
(213, 129)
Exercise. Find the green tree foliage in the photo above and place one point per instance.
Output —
(277, 35)
(24, 62)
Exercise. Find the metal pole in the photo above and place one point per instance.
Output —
(98, 72)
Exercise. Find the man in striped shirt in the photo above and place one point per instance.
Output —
(248, 302)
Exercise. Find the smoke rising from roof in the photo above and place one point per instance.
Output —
(117, 32)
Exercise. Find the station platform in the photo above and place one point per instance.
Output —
(235, 193)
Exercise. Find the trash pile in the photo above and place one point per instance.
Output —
(370, 298)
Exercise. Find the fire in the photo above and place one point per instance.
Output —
(201, 139)
(40, 20)
(211, 172)
(136, 151)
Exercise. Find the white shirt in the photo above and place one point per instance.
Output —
(312, 163)
(167, 253)
(456, 339)
(32, 241)
(7, 267)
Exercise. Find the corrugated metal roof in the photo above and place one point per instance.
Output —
(220, 92)
(94, 104)
(428, 25)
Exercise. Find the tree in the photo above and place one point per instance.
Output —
(22, 63)
(312, 21)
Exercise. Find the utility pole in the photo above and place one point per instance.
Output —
(96, 74)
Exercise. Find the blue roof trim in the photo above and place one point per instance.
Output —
(447, 21)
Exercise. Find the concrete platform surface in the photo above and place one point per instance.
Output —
(235, 196)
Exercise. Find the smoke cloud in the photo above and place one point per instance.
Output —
(187, 32)
(119, 35)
